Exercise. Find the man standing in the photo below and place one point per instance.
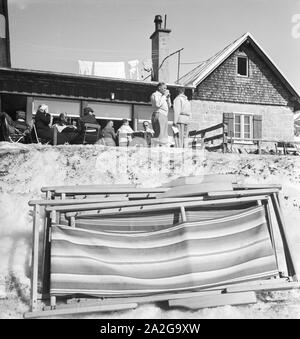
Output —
(182, 112)
(161, 103)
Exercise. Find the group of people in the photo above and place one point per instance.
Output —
(65, 130)
(74, 133)
(161, 103)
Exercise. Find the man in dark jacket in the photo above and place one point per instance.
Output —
(88, 118)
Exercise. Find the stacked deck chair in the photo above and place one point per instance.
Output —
(195, 242)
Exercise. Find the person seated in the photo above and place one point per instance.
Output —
(125, 133)
(88, 118)
(43, 121)
(66, 132)
(22, 127)
(62, 122)
(148, 132)
(109, 134)
(6, 126)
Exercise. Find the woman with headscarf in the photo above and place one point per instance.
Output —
(42, 124)
(109, 134)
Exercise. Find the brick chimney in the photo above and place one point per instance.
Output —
(4, 35)
(160, 50)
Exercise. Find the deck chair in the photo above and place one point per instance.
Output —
(123, 139)
(36, 137)
(10, 133)
(91, 133)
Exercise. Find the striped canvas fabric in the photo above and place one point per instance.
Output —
(183, 257)
(153, 221)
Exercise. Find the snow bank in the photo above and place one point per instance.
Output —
(25, 169)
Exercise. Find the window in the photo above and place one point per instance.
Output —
(242, 66)
(243, 126)
(111, 111)
(2, 26)
(57, 106)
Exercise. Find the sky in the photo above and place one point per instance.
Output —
(53, 35)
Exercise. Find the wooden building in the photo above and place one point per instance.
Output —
(243, 87)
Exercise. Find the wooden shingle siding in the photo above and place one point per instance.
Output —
(260, 87)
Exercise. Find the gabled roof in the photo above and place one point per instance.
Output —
(204, 69)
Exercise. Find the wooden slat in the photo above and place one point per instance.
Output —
(97, 208)
(34, 260)
(255, 186)
(241, 193)
(112, 196)
(214, 148)
(176, 206)
(202, 179)
(214, 137)
(265, 286)
(290, 261)
(206, 130)
(54, 188)
(196, 189)
(146, 299)
(215, 300)
(74, 201)
(80, 310)
(79, 190)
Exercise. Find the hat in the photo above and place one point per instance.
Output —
(87, 110)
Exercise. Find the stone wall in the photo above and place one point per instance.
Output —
(277, 121)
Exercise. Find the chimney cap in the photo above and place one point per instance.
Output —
(158, 18)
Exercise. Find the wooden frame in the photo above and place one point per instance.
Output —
(268, 195)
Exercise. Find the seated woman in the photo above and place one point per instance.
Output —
(42, 124)
(125, 133)
(109, 134)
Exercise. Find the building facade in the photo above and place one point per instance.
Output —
(242, 87)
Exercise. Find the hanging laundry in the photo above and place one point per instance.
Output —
(146, 69)
(85, 67)
(110, 69)
(134, 73)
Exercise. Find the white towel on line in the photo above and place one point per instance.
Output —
(85, 67)
(110, 69)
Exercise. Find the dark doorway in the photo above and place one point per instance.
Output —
(11, 103)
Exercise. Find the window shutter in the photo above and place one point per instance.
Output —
(257, 127)
(228, 119)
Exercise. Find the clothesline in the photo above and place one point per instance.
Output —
(133, 69)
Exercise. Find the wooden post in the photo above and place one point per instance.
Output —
(72, 222)
(259, 146)
(35, 257)
(53, 302)
(29, 110)
(225, 141)
(270, 227)
(44, 255)
(178, 70)
(55, 131)
(286, 244)
(183, 214)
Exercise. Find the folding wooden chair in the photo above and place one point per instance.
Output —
(91, 133)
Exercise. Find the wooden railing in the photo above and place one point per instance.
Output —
(227, 141)
(201, 136)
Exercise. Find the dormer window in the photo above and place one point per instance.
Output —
(242, 66)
